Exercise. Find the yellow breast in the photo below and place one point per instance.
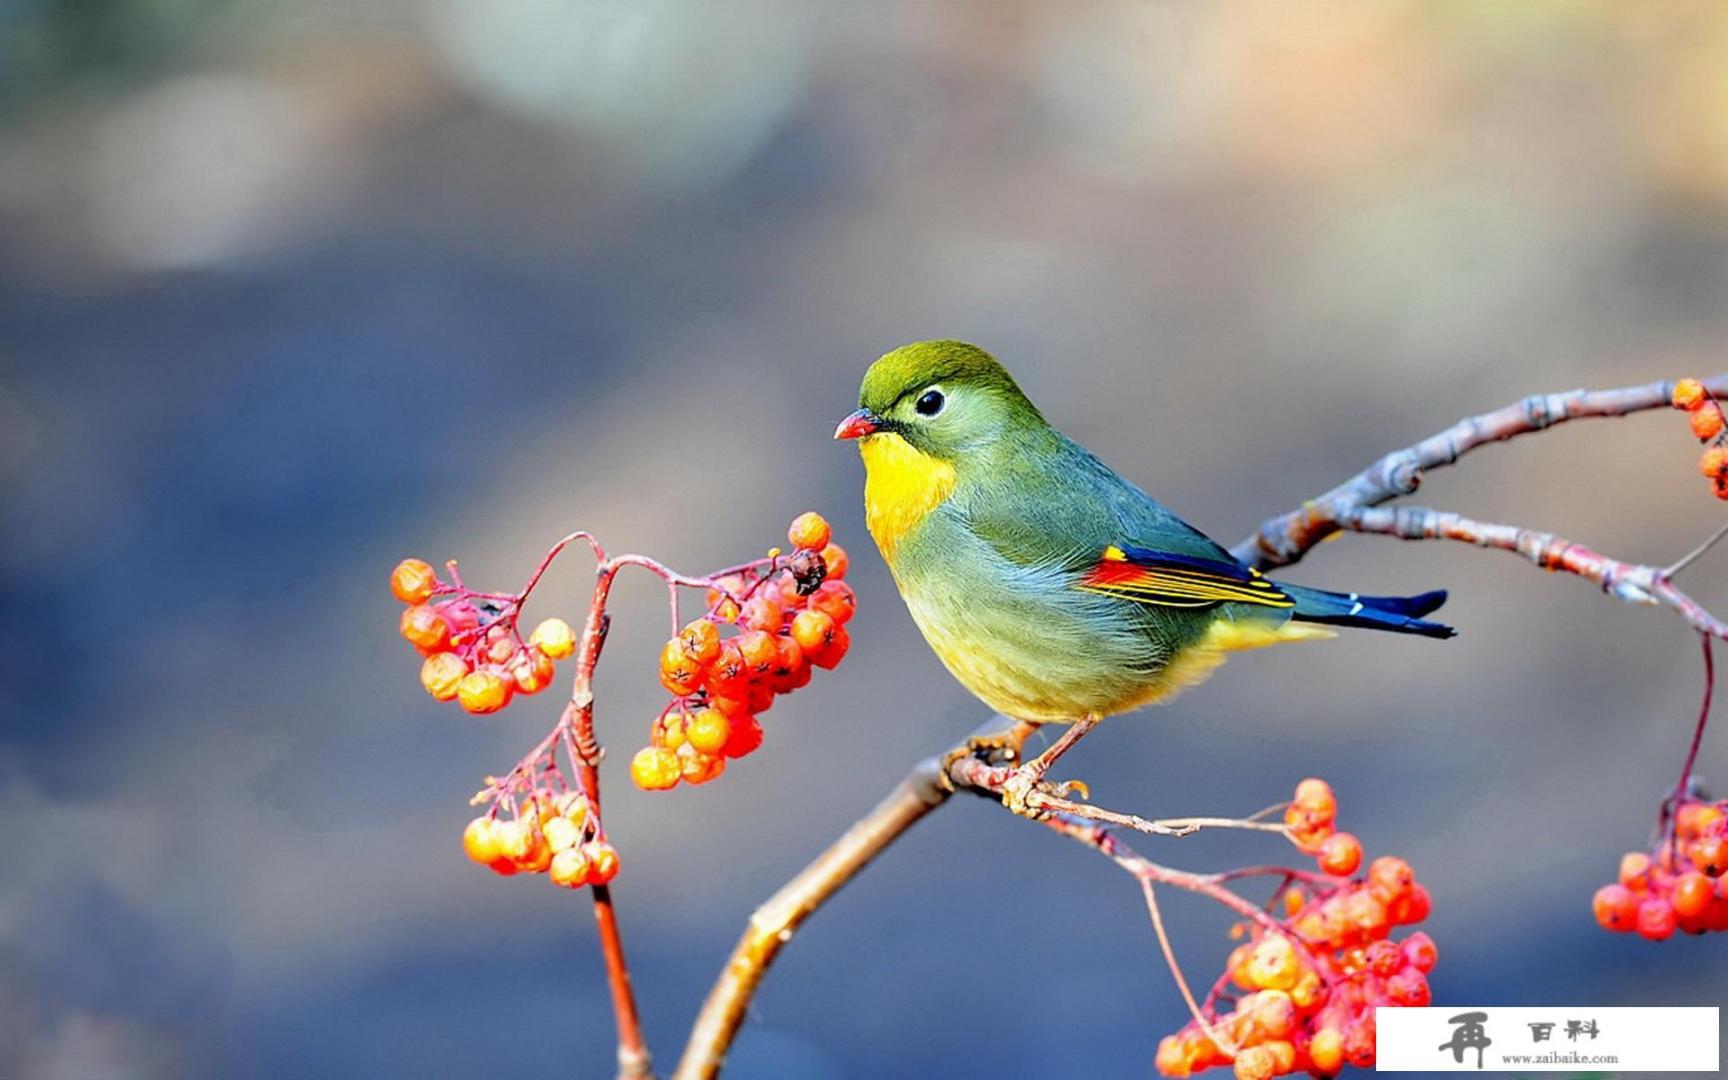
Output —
(901, 485)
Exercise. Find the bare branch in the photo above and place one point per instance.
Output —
(1284, 539)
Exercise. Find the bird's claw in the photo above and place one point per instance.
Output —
(1017, 792)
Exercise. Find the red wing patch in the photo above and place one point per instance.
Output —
(1151, 577)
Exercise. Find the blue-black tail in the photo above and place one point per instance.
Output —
(1402, 614)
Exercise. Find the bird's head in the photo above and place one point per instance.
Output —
(943, 399)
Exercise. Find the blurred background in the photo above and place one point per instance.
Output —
(291, 291)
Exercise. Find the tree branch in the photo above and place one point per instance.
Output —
(1284, 539)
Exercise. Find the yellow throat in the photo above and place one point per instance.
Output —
(901, 485)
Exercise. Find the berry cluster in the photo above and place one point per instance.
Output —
(1707, 424)
(474, 652)
(1309, 982)
(1681, 886)
(549, 834)
(788, 615)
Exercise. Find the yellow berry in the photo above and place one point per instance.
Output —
(554, 638)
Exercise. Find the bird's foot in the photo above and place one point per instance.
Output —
(995, 748)
(1022, 789)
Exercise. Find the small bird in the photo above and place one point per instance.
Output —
(1053, 589)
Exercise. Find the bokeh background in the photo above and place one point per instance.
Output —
(290, 291)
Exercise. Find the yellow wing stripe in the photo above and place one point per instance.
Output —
(1182, 587)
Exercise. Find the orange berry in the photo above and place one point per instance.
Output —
(479, 841)
(836, 600)
(602, 862)
(1308, 990)
(729, 674)
(441, 673)
(1273, 964)
(1688, 394)
(760, 650)
(1314, 797)
(562, 833)
(1710, 854)
(708, 731)
(1635, 871)
(424, 627)
(1693, 893)
(835, 559)
(413, 581)
(570, 868)
(1707, 421)
(1615, 908)
(743, 736)
(484, 691)
(554, 638)
(700, 641)
(1340, 854)
(678, 673)
(695, 767)
(763, 611)
(531, 670)
(1390, 877)
(1326, 1050)
(812, 630)
(809, 531)
(539, 854)
(830, 655)
(654, 768)
(1171, 1059)
(1254, 1063)
(1714, 462)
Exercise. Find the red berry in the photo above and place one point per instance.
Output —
(743, 737)
(1419, 950)
(1688, 394)
(1692, 895)
(836, 600)
(1656, 919)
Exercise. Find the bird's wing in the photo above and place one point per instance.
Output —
(1170, 580)
(1073, 514)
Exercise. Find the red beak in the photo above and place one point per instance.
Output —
(859, 424)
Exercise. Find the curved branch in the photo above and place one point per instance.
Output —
(1284, 539)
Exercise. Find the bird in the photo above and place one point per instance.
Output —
(1049, 586)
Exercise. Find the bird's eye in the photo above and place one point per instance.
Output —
(931, 403)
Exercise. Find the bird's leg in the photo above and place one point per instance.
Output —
(1018, 788)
